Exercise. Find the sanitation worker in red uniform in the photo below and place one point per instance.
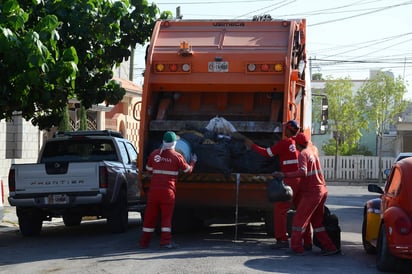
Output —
(164, 164)
(313, 194)
(288, 156)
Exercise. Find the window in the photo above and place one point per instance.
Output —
(131, 151)
(394, 186)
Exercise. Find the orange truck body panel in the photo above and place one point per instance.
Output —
(236, 69)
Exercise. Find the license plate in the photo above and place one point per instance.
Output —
(218, 66)
(58, 199)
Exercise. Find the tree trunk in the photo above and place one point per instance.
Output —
(335, 166)
(380, 177)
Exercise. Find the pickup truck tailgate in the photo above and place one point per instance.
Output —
(78, 177)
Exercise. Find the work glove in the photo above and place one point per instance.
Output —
(248, 143)
(278, 174)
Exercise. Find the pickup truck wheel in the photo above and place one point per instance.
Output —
(118, 218)
(30, 221)
(72, 219)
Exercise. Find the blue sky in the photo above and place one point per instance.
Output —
(345, 38)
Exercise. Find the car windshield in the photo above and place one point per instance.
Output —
(87, 150)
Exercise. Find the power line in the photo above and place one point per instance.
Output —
(361, 14)
(361, 61)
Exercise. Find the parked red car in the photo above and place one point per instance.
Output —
(387, 224)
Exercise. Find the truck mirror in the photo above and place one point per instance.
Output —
(325, 108)
(320, 119)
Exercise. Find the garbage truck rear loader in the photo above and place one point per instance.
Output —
(209, 80)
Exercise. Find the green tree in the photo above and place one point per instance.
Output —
(64, 124)
(36, 76)
(382, 100)
(51, 51)
(83, 118)
(317, 76)
(345, 119)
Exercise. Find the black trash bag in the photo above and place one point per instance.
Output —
(249, 161)
(332, 227)
(252, 162)
(194, 138)
(277, 191)
(212, 158)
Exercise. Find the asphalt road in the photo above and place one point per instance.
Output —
(89, 248)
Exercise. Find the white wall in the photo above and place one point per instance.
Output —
(28, 140)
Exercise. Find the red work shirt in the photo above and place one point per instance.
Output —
(165, 168)
(285, 149)
(310, 171)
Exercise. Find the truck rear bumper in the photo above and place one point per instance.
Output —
(47, 202)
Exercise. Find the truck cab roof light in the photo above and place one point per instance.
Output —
(185, 49)
(165, 24)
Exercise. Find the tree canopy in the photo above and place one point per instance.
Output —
(381, 98)
(51, 51)
(346, 120)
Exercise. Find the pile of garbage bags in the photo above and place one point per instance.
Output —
(220, 150)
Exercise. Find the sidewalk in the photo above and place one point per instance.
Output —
(10, 217)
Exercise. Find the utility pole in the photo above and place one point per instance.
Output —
(178, 15)
(310, 68)
(131, 64)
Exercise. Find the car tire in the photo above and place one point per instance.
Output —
(30, 221)
(70, 219)
(385, 261)
(369, 248)
(118, 217)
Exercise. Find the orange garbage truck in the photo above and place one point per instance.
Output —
(213, 81)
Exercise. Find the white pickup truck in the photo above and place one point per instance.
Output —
(82, 173)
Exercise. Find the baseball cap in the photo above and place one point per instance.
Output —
(292, 125)
(301, 139)
(169, 137)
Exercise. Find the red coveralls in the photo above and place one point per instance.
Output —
(165, 166)
(310, 207)
(288, 156)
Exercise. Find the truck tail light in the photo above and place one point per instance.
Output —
(160, 67)
(186, 67)
(403, 226)
(251, 67)
(12, 180)
(265, 67)
(172, 68)
(278, 67)
(103, 177)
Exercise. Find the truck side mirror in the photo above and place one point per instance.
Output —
(325, 107)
